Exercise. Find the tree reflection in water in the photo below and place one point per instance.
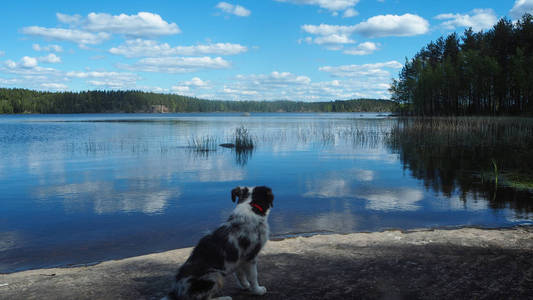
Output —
(489, 158)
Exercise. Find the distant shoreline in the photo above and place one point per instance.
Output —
(30, 101)
(207, 112)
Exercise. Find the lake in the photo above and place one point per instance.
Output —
(79, 189)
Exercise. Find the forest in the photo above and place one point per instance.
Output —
(30, 101)
(478, 73)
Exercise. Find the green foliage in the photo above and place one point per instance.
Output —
(28, 101)
(486, 73)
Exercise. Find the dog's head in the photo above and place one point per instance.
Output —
(258, 196)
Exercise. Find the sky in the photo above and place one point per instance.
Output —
(301, 50)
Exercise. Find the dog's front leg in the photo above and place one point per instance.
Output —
(242, 281)
(251, 272)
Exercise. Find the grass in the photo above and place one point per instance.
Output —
(361, 134)
(519, 181)
(448, 149)
(242, 139)
(203, 144)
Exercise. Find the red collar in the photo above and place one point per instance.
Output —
(257, 206)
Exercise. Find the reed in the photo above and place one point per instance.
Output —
(457, 150)
(242, 139)
(203, 144)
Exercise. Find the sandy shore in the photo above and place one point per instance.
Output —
(441, 264)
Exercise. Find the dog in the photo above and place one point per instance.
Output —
(230, 249)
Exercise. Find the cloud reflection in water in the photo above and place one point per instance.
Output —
(105, 197)
(400, 199)
(358, 184)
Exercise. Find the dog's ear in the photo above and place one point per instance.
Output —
(236, 192)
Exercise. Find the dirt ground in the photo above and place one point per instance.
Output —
(463, 263)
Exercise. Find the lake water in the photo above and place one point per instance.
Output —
(78, 189)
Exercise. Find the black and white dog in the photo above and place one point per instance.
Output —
(232, 248)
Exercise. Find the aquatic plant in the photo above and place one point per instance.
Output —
(484, 155)
(242, 139)
(203, 143)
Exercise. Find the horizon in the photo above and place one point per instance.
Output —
(275, 50)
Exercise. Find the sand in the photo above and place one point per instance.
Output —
(461, 263)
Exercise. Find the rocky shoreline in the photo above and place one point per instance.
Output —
(461, 263)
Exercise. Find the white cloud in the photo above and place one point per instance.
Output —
(332, 36)
(47, 48)
(112, 80)
(233, 9)
(331, 5)
(273, 86)
(28, 74)
(332, 39)
(479, 19)
(2, 53)
(186, 86)
(196, 82)
(102, 74)
(96, 74)
(375, 70)
(392, 25)
(10, 81)
(238, 92)
(98, 27)
(180, 89)
(28, 62)
(110, 84)
(285, 85)
(326, 29)
(154, 89)
(140, 48)
(276, 79)
(350, 12)
(178, 64)
(10, 64)
(50, 58)
(362, 49)
(70, 35)
(521, 7)
(140, 25)
(69, 19)
(54, 86)
(28, 66)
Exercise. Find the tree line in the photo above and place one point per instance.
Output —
(30, 101)
(479, 73)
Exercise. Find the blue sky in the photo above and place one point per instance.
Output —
(309, 50)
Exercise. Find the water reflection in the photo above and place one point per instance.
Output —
(338, 184)
(105, 197)
(470, 158)
(242, 156)
(125, 180)
(400, 199)
(358, 184)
